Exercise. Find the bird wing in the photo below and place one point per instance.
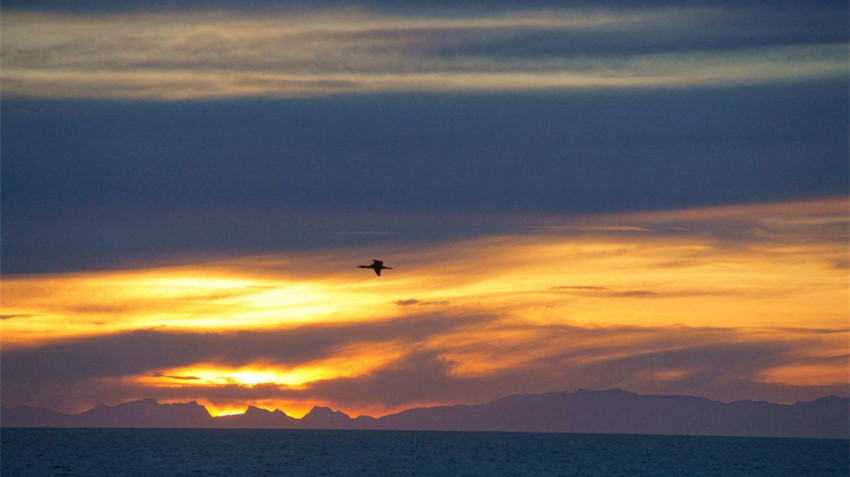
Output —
(378, 271)
(377, 263)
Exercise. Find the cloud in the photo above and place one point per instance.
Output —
(741, 315)
(732, 225)
(443, 162)
(364, 232)
(145, 351)
(14, 316)
(578, 288)
(183, 378)
(203, 55)
(635, 294)
(592, 228)
(441, 363)
(730, 28)
(414, 301)
(412, 7)
(706, 362)
(197, 301)
(603, 292)
(720, 276)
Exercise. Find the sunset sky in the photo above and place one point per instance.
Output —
(571, 195)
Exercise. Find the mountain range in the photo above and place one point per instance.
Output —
(581, 411)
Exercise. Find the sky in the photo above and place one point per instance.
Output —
(650, 195)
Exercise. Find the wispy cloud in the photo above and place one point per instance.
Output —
(415, 302)
(195, 55)
(13, 316)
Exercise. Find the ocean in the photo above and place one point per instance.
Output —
(237, 452)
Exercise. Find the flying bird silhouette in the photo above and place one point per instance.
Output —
(377, 265)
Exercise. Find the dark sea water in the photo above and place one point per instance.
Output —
(231, 452)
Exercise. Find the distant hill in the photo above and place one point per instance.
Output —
(622, 412)
(25, 416)
(582, 411)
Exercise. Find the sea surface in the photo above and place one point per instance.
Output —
(234, 452)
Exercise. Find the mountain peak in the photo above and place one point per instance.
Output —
(322, 411)
(146, 402)
(146, 413)
(258, 411)
(325, 417)
(605, 392)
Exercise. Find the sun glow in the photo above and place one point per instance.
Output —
(180, 298)
(248, 376)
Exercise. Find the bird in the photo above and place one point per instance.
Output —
(377, 265)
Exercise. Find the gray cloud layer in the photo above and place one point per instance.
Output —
(91, 184)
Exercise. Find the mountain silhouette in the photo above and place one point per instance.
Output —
(582, 411)
(326, 418)
(257, 418)
(26, 416)
(145, 413)
(623, 412)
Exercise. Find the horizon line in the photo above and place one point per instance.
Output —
(315, 407)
